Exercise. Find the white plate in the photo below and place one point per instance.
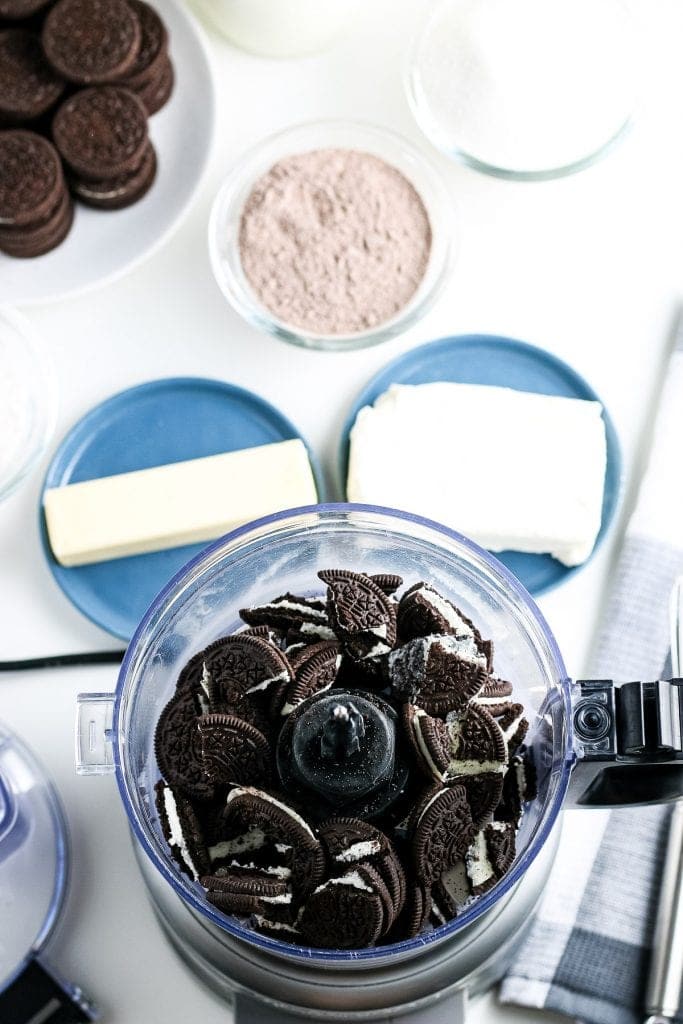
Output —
(105, 243)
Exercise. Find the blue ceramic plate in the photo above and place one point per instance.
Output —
(487, 359)
(160, 422)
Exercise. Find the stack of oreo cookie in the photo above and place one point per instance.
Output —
(82, 76)
(310, 868)
(35, 206)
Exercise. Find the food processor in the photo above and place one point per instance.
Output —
(34, 875)
(594, 743)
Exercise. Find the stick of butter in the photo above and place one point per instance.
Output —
(181, 503)
(510, 469)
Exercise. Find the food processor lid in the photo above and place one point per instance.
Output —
(34, 859)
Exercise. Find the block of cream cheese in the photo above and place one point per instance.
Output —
(510, 469)
(181, 503)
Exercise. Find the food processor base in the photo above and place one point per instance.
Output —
(431, 987)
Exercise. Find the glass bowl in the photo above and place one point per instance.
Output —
(28, 398)
(605, 117)
(227, 210)
(283, 553)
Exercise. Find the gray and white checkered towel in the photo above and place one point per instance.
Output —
(588, 951)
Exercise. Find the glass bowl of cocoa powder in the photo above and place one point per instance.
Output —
(332, 235)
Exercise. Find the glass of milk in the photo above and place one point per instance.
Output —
(278, 28)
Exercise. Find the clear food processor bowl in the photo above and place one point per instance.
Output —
(283, 553)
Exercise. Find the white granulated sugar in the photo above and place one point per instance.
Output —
(528, 86)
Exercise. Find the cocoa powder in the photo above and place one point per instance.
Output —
(334, 241)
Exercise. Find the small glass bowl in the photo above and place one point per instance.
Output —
(227, 209)
(28, 393)
(446, 141)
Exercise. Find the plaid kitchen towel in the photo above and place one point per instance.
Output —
(587, 953)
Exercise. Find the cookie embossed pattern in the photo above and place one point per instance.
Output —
(347, 770)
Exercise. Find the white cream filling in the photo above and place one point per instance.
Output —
(316, 629)
(275, 926)
(379, 648)
(351, 878)
(283, 847)
(455, 883)
(279, 678)
(176, 837)
(511, 729)
(428, 805)
(277, 870)
(204, 696)
(479, 867)
(294, 606)
(445, 610)
(254, 839)
(358, 851)
(283, 898)
(437, 912)
(250, 790)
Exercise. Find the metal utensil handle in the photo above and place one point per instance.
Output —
(665, 982)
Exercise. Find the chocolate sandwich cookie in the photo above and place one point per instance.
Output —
(31, 178)
(233, 752)
(352, 841)
(494, 692)
(440, 673)
(369, 874)
(344, 913)
(289, 611)
(16, 10)
(37, 239)
(244, 673)
(315, 670)
(519, 787)
(193, 680)
(414, 917)
(282, 824)
(423, 611)
(273, 636)
(484, 792)
(28, 85)
(158, 92)
(443, 832)
(181, 830)
(463, 746)
(249, 893)
(117, 193)
(101, 132)
(490, 856)
(92, 42)
(386, 581)
(153, 50)
(477, 743)
(178, 750)
(235, 846)
(513, 724)
(361, 614)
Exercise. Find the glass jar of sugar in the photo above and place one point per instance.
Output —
(278, 28)
(28, 400)
(525, 89)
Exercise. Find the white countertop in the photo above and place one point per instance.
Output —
(588, 267)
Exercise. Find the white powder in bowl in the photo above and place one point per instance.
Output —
(15, 411)
(525, 85)
(27, 399)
